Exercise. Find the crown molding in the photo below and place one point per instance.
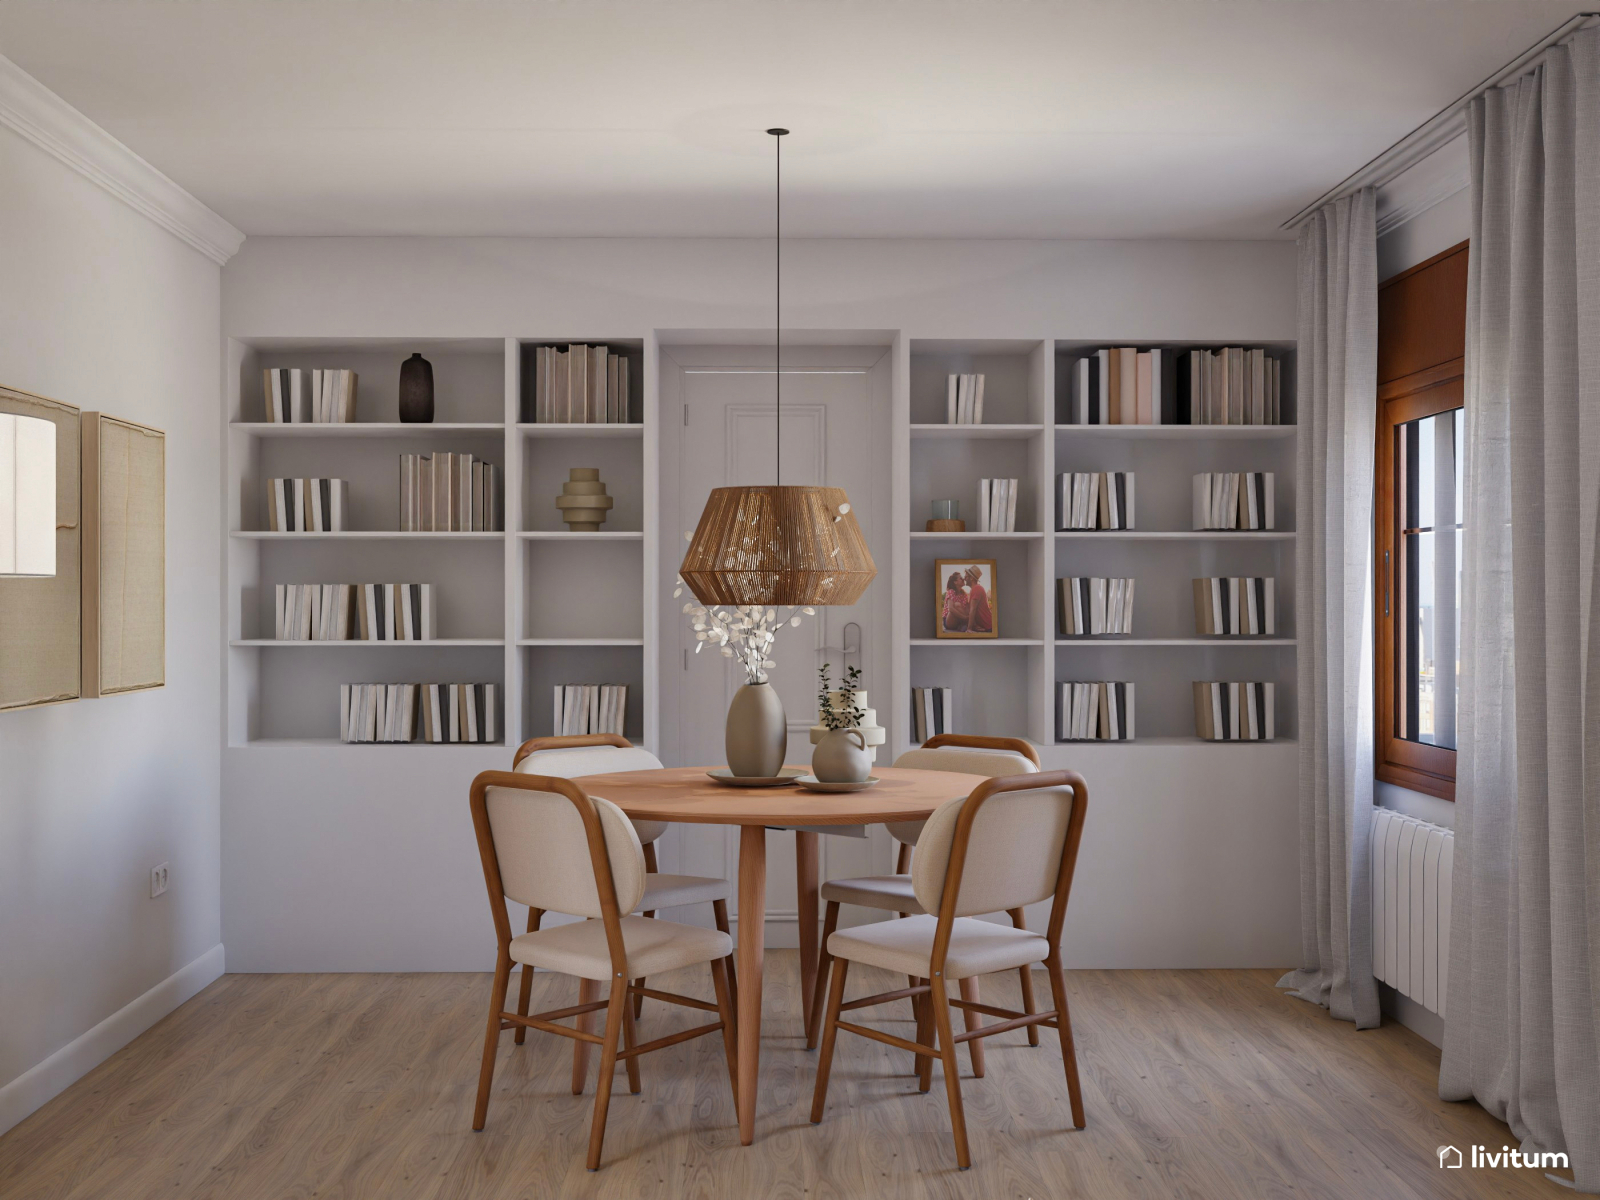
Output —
(1437, 132)
(1423, 184)
(50, 123)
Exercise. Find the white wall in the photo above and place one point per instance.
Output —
(359, 858)
(102, 309)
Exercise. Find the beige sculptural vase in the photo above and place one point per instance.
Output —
(757, 733)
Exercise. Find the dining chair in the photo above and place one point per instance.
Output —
(961, 752)
(602, 754)
(547, 843)
(1012, 842)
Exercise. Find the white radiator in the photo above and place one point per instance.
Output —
(1411, 870)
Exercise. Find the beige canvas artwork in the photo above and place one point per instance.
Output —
(124, 556)
(40, 629)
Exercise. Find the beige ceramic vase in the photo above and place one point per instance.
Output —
(757, 734)
(583, 501)
(841, 757)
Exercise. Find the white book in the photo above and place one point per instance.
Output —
(1127, 606)
(977, 402)
(469, 705)
(984, 489)
(950, 400)
(1011, 506)
(280, 598)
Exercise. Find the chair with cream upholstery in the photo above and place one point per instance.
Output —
(574, 756)
(965, 753)
(1011, 843)
(546, 843)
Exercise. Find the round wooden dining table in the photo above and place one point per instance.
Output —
(689, 796)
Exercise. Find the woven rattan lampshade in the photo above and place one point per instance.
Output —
(778, 545)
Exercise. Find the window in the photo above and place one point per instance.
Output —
(1421, 431)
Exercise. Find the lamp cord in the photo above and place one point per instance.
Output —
(777, 296)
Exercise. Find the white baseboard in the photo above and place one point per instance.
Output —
(39, 1085)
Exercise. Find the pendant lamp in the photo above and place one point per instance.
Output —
(778, 545)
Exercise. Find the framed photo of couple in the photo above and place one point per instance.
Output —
(965, 603)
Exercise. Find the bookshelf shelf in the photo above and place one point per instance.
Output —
(1195, 433)
(923, 535)
(982, 643)
(364, 535)
(549, 429)
(567, 535)
(365, 429)
(1209, 642)
(354, 643)
(580, 641)
(1175, 535)
(929, 431)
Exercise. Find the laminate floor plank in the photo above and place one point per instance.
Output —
(1199, 1085)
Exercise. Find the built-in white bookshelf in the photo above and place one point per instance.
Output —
(1010, 683)
(539, 605)
(524, 609)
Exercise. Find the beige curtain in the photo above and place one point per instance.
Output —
(1524, 1003)
(1336, 399)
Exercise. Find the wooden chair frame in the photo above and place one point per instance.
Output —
(619, 1013)
(587, 990)
(932, 994)
(902, 866)
(570, 741)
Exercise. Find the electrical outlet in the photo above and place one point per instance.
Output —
(158, 880)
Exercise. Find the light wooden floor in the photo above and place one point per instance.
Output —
(1205, 1084)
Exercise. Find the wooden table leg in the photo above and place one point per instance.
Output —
(752, 936)
(805, 873)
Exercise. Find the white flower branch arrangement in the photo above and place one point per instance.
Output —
(745, 632)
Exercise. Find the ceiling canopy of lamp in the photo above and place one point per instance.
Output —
(778, 545)
(27, 496)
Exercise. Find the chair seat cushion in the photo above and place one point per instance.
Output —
(669, 891)
(651, 946)
(905, 947)
(889, 892)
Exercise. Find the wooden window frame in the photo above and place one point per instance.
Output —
(1435, 389)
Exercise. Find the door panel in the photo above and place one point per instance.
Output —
(717, 405)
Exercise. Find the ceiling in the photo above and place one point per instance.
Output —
(911, 118)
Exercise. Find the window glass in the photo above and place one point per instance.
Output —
(1430, 555)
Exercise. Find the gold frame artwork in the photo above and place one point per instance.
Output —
(40, 631)
(992, 595)
(124, 556)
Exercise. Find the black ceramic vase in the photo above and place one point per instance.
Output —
(416, 390)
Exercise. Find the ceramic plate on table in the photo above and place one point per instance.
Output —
(812, 784)
(783, 778)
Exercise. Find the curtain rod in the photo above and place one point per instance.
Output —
(1443, 127)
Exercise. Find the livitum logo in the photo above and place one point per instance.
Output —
(1483, 1157)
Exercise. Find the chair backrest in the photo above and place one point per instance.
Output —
(590, 754)
(967, 755)
(1011, 843)
(973, 741)
(548, 844)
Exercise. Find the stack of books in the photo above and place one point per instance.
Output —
(1087, 607)
(1235, 607)
(307, 505)
(1095, 712)
(1123, 385)
(585, 385)
(932, 712)
(1233, 712)
(1095, 500)
(449, 493)
(997, 506)
(411, 712)
(354, 612)
(590, 708)
(964, 400)
(1233, 500)
(300, 397)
